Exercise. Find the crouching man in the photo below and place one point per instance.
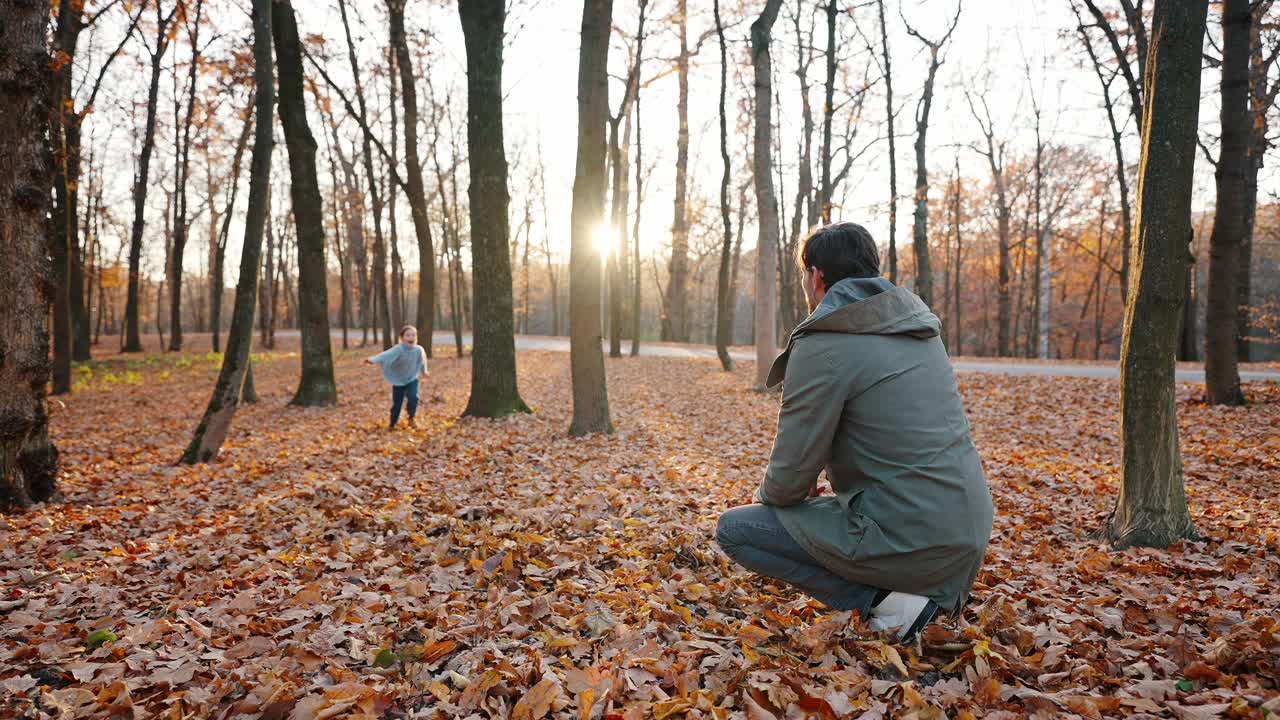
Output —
(868, 395)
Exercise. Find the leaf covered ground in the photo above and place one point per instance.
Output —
(326, 568)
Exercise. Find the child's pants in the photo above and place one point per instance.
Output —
(399, 393)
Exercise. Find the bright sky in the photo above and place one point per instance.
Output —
(992, 46)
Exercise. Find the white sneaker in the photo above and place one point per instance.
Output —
(903, 613)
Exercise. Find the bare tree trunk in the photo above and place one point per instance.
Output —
(181, 218)
(618, 212)
(1262, 97)
(1151, 509)
(828, 112)
(893, 156)
(494, 392)
(920, 231)
(353, 201)
(737, 257)
(766, 200)
(792, 300)
(674, 327)
(590, 392)
(378, 306)
(995, 160)
(316, 386)
(1230, 219)
(723, 289)
(220, 252)
(1137, 29)
(1187, 334)
(417, 193)
(267, 285)
(956, 325)
(133, 338)
(28, 461)
(1117, 143)
(636, 305)
(62, 235)
(1040, 296)
(393, 226)
(524, 264)
(447, 228)
(212, 431)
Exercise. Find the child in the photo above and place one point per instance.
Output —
(402, 365)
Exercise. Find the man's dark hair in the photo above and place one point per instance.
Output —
(840, 250)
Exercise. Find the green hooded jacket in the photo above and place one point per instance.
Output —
(869, 395)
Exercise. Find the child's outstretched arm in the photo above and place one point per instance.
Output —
(423, 373)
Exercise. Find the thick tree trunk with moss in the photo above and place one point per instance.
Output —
(590, 393)
(213, 427)
(316, 386)
(1231, 217)
(28, 462)
(1151, 509)
(494, 391)
(766, 199)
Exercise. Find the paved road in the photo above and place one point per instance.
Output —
(560, 344)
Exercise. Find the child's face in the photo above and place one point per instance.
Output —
(410, 337)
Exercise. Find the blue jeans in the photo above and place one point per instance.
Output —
(400, 393)
(754, 537)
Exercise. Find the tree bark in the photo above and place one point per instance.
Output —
(1151, 509)
(28, 461)
(1262, 95)
(675, 324)
(920, 228)
(636, 297)
(766, 200)
(893, 157)
(828, 113)
(723, 288)
(590, 392)
(316, 386)
(220, 253)
(180, 218)
(212, 431)
(618, 154)
(956, 325)
(379, 304)
(494, 391)
(1122, 177)
(805, 214)
(133, 337)
(1230, 218)
(416, 192)
(1133, 81)
(64, 151)
(995, 160)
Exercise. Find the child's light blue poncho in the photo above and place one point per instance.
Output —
(402, 363)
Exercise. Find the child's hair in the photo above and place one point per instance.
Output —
(406, 329)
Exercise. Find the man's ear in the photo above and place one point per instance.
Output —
(818, 281)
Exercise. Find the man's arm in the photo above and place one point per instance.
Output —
(812, 402)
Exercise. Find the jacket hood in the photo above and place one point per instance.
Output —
(863, 306)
